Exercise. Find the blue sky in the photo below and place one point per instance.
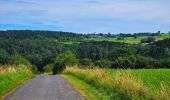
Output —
(86, 16)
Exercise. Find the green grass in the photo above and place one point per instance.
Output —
(70, 42)
(126, 84)
(86, 90)
(152, 78)
(165, 36)
(11, 77)
(130, 40)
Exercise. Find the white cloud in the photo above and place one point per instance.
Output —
(78, 13)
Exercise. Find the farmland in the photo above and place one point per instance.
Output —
(130, 40)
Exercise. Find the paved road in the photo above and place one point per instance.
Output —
(45, 87)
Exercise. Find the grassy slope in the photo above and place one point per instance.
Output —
(123, 84)
(11, 77)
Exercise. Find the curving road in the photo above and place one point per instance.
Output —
(45, 87)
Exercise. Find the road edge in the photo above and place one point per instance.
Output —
(19, 85)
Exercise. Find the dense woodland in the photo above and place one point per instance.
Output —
(45, 50)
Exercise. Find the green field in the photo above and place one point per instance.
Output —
(130, 40)
(152, 78)
(122, 84)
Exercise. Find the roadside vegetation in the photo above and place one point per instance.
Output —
(121, 84)
(12, 76)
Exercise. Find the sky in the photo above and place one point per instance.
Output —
(86, 16)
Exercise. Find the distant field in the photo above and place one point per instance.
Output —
(130, 40)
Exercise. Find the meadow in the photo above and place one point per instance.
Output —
(130, 40)
(123, 84)
(11, 77)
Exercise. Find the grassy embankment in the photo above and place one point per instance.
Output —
(11, 77)
(121, 84)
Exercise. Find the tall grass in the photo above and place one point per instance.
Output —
(11, 76)
(119, 86)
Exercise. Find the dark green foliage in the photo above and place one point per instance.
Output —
(4, 57)
(120, 38)
(165, 63)
(40, 48)
(104, 63)
(58, 68)
(41, 35)
(68, 58)
(17, 59)
(48, 68)
(122, 52)
(146, 62)
(148, 40)
(86, 62)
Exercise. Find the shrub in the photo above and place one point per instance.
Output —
(165, 63)
(18, 59)
(146, 62)
(48, 68)
(58, 68)
(68, 58)
(4, 57)
(86, 62)
(104, 63)
(148, 40)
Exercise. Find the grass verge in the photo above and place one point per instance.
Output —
(120, 86)
(86, 90)
(11, 77)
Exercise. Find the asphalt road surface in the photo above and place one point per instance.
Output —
(45, 87)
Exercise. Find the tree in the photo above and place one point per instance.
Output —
(18, 59)
(104, 63)
(122, 52)
(4, 57)
(145, 62)
(86, 62)
(123, 57)
(48, 68)
(58, 68)
(68, 58)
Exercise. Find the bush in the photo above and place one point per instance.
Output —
(146, 62)
(48, 68)
(120, 38)
(165, 63)
(148, 40)
(104, 63)
(122, 52)
(18, 59)
(4, 57)
(68, 58)
(58, 68)
(86, 62)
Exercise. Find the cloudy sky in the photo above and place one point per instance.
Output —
(86, 16)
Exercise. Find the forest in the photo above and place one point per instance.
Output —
(43, 48)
